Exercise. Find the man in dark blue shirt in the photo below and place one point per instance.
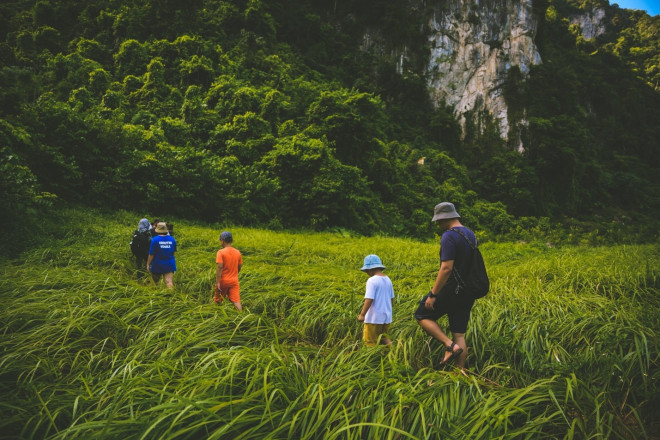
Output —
(445, 296)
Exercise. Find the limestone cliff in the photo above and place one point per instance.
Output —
(473, 46)
(591, 22)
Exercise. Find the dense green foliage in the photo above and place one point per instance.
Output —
(593, 134)
(270, 113)
(564, 346)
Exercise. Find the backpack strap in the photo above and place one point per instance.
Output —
(466, 239)
(459, 279)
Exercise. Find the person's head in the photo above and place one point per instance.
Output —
(445, 215)
(372, 265)
(155, 222)
(226, 237)
(161, 228)
(144, 225)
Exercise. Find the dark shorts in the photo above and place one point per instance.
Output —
(458, 313)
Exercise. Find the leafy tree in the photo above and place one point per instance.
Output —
(510, 179)
(274, 106)
(18, 86)
(47, 38)
(25, 47)
(176, 131)
(112, 99)
(22, 201)
(155, 94)
(584, 109)
(50, 154)
(131, 59)
(353, 122)
(197, 71)
(247, 137)
(71, 72)
(258, 20)
(99, 81)
(43, 14)
(188, 47)
(315, 189)
(93, 50)
(80, 99)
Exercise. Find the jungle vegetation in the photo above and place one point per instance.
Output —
(269, 113)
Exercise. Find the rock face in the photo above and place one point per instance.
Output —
(591, 23)
(473, 46)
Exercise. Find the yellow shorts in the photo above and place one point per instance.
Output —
(373, 331)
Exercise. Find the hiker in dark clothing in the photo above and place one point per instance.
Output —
(140, 244)
(444, 297)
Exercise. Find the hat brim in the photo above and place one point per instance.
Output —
(445, 216)
(377, 266)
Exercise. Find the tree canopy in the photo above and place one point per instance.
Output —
(271, 113)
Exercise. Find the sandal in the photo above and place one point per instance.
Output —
(454, 354)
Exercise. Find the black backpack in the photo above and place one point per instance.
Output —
(477, 283)
(140, 243)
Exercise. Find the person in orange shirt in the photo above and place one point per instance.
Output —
(230, 262)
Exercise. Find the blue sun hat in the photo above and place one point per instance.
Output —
(371, 262)
(226, 237)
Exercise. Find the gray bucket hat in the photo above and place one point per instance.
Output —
(443, 211)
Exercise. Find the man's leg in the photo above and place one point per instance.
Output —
(458, 320)
(432, 328)
(459, 339)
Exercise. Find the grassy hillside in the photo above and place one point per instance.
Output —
(565, 345)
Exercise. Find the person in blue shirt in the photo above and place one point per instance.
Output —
(444, 298)
(161, 262)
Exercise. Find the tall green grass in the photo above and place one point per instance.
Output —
(565, 345)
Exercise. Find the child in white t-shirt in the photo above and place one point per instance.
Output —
(378, 299)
